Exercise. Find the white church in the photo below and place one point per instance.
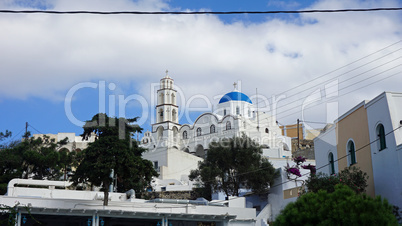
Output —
(176, 149)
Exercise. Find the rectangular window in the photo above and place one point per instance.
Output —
(156, 166)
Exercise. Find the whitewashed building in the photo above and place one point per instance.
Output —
(74, 143)
(176, 149)
(368, 136)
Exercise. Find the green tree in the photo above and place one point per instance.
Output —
(32, 157)
(352, 177)
(114, 150)
(3, 136)
(341, 207)
(233, 164)
(41, 157)
(10, 167)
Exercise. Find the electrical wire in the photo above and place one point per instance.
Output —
(35, 129)
(199, 12)
(310, 106)
(344, 66)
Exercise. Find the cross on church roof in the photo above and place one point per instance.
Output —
(234, 85)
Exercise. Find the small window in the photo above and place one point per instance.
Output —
(198, 131)
(266, 130)
(156, 166)
(184, 134)
(351, 153)
(237, 110)
(331, 163)
(212, 129)
(228, 126)
(224, 112)
(381, 137)
(249, 113)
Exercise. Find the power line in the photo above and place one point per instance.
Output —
(328, 73)
(198, 12)
(338, 76)
(310, 106)
(365, 79)
(35, 129)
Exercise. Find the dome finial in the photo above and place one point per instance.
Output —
(167, 75)
(234, 85)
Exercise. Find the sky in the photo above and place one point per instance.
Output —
(57, 71)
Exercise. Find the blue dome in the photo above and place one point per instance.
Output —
(235, 96)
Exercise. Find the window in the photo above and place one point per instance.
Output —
(331, 163)
(266, 130)
(156, 166)
(160, 132)
(174, 115)
(228, 126)
(351, 152)
(161, 98)
(161, 115)
(381, 137)
(173, 99)
(198, 131)
(237, 110)
(185, 135)
(212, 129)
(224, 112)
(249, 113)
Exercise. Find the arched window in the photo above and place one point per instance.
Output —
(174, 114)
(212, 129)
(175, 132)
(237, 110)
(160, 115)
(198, 131)
(351, 152)
(160, 132)
(381, 137)
(228, 126)
(184, 134)
(224, 112)
(173, 99)
(266, 130)
(161, 98)
(331, 163)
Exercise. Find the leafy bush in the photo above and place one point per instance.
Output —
(341, 207)
(353, 177)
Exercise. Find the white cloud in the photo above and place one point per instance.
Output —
(45, 55)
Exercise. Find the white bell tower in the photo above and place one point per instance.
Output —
(167, 122)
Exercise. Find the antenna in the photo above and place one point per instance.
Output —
(258, 119)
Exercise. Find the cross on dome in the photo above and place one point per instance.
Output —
(234, 85)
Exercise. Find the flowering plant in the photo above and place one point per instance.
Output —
(311, 168)
(298, 160)
(294, 170)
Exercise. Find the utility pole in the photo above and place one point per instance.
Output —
(258, 119)
(26, 127)
(298, 135)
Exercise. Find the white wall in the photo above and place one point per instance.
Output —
(323, 145)
(387, 164)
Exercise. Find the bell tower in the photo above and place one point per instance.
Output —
(167, 122)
